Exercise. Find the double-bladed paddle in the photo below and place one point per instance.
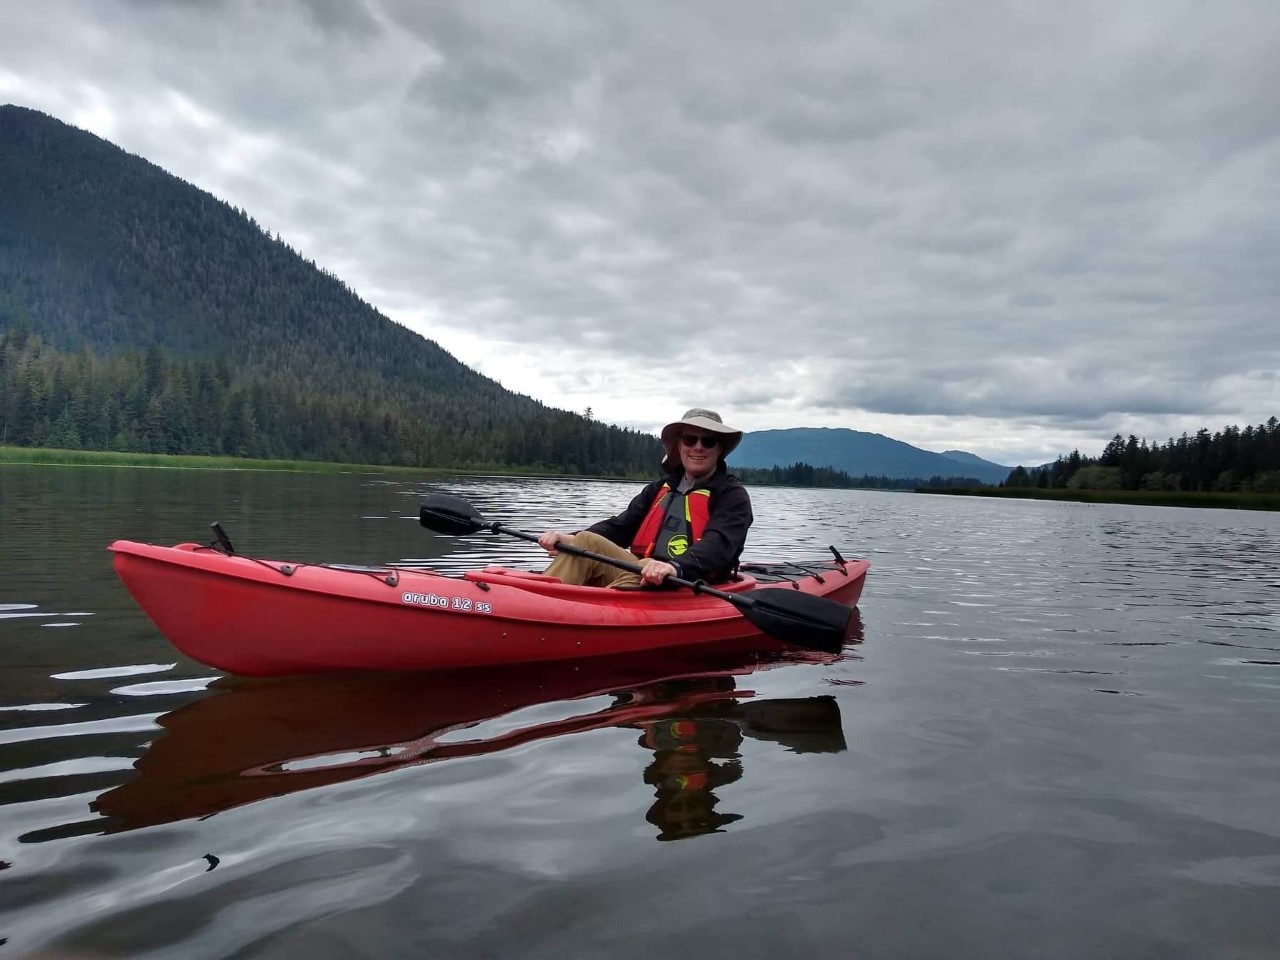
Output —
(797, 618)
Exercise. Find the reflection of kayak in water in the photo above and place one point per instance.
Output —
(254, 739)
(257, 617)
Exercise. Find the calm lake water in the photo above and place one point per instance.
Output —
(1059, 737)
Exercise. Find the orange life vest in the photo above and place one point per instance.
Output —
(674, 523)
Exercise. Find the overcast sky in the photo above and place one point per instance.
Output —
(1009, 228)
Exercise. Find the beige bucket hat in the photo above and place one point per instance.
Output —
(707, 420)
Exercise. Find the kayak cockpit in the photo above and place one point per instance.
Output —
(540, 583)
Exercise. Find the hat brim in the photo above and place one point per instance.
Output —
(671, 434)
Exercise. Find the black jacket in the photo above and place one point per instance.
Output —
(715, 556)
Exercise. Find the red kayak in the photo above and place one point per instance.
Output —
(258, 617)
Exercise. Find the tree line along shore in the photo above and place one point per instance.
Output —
(1143, 498)
(153, 408)
(1232, 460)
(794, 476)
(150, 408)
(1233, 468)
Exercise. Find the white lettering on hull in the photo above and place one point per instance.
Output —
(461, 604)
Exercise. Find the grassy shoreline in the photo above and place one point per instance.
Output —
(1144, 498)
(48, 456)
(52, 457)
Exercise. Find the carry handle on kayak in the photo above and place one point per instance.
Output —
(794, 617)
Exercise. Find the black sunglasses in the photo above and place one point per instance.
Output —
(708, 443)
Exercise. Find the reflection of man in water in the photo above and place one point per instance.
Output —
(698, 749)
(691, 758)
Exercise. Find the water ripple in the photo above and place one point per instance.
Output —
(106, 673)
(129, 724)
(68, 768)
(38, 707)
(164, 687)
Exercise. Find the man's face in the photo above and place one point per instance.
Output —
(699, 460)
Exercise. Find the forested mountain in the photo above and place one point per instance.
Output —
(1231, 460)
(963, 456)
(141, 313)
(858, 453)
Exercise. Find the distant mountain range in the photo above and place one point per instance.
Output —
(860, 454)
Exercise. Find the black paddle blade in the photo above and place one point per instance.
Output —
(445, 514)
(800, 619)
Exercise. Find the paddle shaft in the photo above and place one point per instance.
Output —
(697, 586)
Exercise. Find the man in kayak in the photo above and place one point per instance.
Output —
(691, 522)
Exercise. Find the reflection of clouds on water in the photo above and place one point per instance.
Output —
(18, 614)
(30, 611)
(39, 707)
(163, 688)
(106, 673)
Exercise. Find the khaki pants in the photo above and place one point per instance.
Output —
(585, 572)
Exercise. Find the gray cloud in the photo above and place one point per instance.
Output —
(1007, 228)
